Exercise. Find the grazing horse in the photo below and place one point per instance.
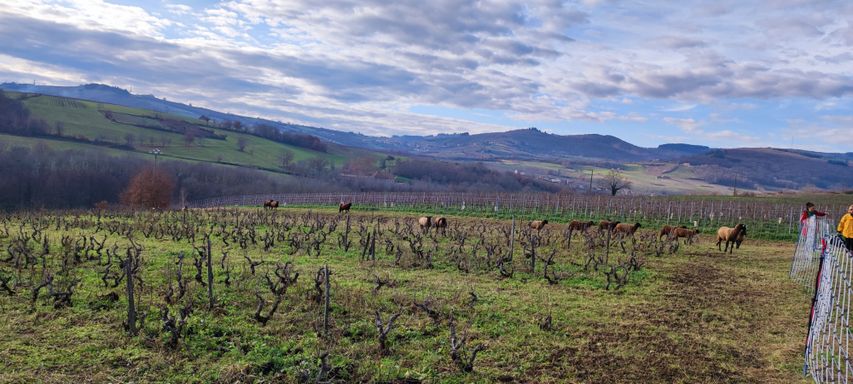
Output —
(344, 207)
(538, 224)
(271, 204)
(624, 230)
(627, 229)
(441, 224)
(666, 231)
(687, 234)
(606, 225)
(730, 235)
(580, 225)
(425, 222)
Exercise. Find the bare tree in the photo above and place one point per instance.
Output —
(129, 139)
(286, 158)
(189, 137)
(614, 181)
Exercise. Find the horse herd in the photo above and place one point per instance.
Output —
(733, 237)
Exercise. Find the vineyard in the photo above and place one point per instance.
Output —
(771, 220)
(300, 295)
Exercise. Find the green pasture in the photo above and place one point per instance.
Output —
(692, 316)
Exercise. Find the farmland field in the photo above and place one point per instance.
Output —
(82, 119)
(578, 311)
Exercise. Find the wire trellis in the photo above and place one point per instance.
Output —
(807, 254)
(827, 358)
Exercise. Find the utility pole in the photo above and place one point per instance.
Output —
(734, 187)
(155, 152)
(591, 172)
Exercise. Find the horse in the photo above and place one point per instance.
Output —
(730, 235)
(344, 207)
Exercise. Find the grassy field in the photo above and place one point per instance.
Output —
(645, 178)
(692, 315)
(86, 119)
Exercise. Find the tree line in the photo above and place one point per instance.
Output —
(42, 177)
(275, 134)
(15, 119)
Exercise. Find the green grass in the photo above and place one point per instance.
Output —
(757, 228)
(84, 119)
(694, 316)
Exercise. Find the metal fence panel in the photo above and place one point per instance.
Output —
(827, 357)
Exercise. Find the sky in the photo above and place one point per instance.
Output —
(719, 73)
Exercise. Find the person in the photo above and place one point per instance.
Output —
(845, 228)
(810, 211)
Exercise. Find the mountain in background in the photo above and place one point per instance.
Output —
(114, 95)
(560, 159)
(531, 144)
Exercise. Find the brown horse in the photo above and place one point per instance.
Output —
(626, 229)
(665, 231)
(687, 234)
(730, 235)
(607, 225)
(538, 224)
(441, 225)
(271, 204)
(344, 207)
(668, 230)
(582, 226)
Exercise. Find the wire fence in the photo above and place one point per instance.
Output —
(827, 358)
(768, 220)
(808, 252)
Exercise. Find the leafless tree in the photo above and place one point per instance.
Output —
(614, 181)
(286, 158)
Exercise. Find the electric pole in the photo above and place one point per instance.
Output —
(591, 172)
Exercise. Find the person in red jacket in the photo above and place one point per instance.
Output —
(810, 211)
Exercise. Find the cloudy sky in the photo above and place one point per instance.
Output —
(721, 73)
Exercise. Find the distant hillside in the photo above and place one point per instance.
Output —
(116, 119)
(673, 151)
(518, 144)
(524, 144)
(113, 95)
(771, 168)
(62, 152)
(74, 122)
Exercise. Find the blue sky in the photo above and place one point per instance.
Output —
(722, 73)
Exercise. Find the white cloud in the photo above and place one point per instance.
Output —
(680, 108)
(688, 125)
(357, 63)
(179, 9)
(90, 14)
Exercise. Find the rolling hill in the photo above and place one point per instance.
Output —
(116, 120)
(771, 168)
(90, 123)
(518, 144)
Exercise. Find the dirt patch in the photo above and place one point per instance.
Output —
(702, 328)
